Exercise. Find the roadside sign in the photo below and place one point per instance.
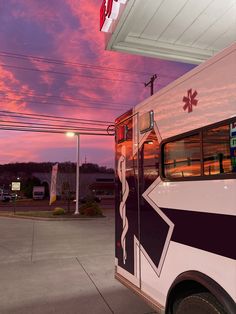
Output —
(15, 186)
(53, 189)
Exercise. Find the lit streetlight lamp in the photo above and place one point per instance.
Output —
(71, 134)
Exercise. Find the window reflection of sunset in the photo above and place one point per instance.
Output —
(182, 157)
(150, 156)
(216, 150)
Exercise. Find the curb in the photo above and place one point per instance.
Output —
(51, 219)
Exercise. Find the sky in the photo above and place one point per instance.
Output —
(85, 82)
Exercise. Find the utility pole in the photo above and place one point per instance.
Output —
(151, 83)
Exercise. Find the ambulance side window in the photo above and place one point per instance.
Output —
(182, 157)
(209, 152)
(219, 150)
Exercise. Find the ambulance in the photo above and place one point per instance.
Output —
(175, 216)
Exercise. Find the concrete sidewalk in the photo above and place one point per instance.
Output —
(61, 267)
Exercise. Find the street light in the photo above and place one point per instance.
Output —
(71, 134)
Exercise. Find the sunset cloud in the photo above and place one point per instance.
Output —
(72, 82)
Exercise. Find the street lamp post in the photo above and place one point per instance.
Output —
(77, 176)
(71, 134)
(109, 132)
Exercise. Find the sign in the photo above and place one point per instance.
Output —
(53, 187)
(233, 142)
(233, 129)
(109, 12)
(15, 186)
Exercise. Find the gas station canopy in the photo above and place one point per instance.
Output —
(180, 30)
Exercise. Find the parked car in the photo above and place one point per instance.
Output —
(6, 197)
(14, 196)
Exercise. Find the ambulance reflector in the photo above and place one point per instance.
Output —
(121, 133)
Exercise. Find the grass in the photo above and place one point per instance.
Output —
(43, 214)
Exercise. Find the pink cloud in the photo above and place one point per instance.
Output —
(41, 12)
(74, 38)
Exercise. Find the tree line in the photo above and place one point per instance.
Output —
(26, 173)
(45, 167)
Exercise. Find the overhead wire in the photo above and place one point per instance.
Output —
(53, 120)
(68, 74)
(56, 124)
(26, 57)
(60, 104)
(49, 127)
(52, 127)
(63, 62)
(91, 99)
(66, 63)
(47, 117)
(50, 131)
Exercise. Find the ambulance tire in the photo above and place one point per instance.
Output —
(200, 303)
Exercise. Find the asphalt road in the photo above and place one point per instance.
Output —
(62, 267)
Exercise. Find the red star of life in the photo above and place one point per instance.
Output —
(190, 100)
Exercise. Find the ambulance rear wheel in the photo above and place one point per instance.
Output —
(200, 303)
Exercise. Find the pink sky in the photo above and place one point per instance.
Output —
(66, 30)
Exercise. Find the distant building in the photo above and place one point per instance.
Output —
(103, 187)
(101, 184)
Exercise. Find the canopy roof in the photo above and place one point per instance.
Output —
(180, 30)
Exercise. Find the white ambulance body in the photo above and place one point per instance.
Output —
(176, 192)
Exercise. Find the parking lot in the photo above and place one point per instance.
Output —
(62, 267)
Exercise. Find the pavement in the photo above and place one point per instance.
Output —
(63, 267)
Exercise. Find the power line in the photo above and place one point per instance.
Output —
(60, 104)
(54, 126)
(93, 100)
(33, 124)
(48, 119)
(68, 74)
(48, 127)
(58, 117)
(63, 62)
(44, 126)
(87, 66)
(50, 131)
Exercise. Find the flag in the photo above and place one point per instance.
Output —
(53, 188)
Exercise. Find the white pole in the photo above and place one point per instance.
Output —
(77, 177)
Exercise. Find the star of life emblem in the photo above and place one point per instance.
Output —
(190, 100)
